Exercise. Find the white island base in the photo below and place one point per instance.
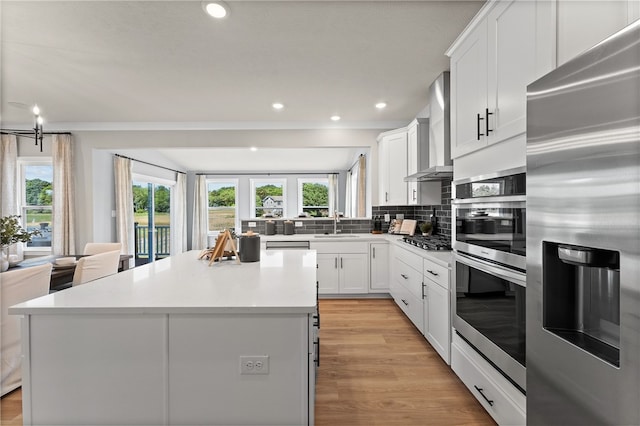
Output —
(96, 355)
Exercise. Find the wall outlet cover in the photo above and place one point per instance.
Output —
(252, 224)
(298, 224)
(387, 217)
(254, 364)
(400, 216)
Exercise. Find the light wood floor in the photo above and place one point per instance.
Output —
(375, 369)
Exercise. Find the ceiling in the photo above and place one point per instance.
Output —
(122, 65)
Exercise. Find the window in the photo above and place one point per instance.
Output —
(36, 197)
(268, 197)
(313, 197)
(223, 204)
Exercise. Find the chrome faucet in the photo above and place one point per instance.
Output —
(336, 219)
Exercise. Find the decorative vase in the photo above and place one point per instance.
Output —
(4, 258)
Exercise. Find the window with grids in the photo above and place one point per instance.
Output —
(36, 199)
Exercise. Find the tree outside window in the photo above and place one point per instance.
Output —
(313, 197)
(37, 202)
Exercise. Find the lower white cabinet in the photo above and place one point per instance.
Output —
(343, 268)
(437, 312)
(503, 401)
(420, 287)
(379, 267)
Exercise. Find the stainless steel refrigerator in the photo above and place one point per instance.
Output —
(583, 238)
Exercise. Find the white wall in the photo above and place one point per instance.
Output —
(93, 157)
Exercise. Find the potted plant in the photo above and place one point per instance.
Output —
(11, 233)
(425, 227)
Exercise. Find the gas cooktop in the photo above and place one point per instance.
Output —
(434, 242)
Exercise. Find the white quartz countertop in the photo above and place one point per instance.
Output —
(283, 281)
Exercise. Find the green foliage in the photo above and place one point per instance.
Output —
(223, 197)
(265, 190)
(38, 192)
(315, 194)
(162, 199)
(11, 232)
(140, 199)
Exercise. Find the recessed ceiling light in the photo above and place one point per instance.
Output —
(381, 105)
(217, 9)
(277, 105)
(253, 148)
(335, 117)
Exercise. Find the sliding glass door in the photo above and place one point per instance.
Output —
(151, 207)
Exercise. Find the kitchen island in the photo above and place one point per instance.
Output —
(176, 342)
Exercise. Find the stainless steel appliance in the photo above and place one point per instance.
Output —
(583, 239)
(428, 242)
(490, 217)
(489, 268)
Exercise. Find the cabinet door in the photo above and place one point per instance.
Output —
(354, 273)
(469, 93)
(511, 67)
(397, 159)
(439, 323)
(583, 24)
(327, 273)
(383, 172)
(379, 267)
(412, 163)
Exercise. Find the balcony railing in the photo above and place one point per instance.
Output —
(160, 238)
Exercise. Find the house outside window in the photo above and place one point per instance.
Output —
(313, 197)
(268, 197)
(223, 204)
(36, 199)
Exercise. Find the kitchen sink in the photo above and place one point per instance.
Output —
(336, 236)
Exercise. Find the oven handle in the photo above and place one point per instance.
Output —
(498, 199)
(504, 273)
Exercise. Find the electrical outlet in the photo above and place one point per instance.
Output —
(387, 217)
(252, 224)
(298, 224)
(400, 216)
(254, 364)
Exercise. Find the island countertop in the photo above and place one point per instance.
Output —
(283, 281)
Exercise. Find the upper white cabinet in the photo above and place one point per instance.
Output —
(491, 65)
(582, 24)
(392, 167)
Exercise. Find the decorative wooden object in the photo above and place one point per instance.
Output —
(218, 252)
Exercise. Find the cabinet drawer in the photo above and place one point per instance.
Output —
(340, 247)
(412, 306)
(503, 409)
(436, 273)
(409, 278)
(409, 258)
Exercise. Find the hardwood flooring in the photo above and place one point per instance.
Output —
(375, 369)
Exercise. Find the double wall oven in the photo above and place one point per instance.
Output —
(489, 243)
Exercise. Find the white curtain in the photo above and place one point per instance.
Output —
(200, 214)
(348, 207)
(333, 193)
(63, 237)
(179, 215)
(362, 187)
(9, 181)
(124, 203)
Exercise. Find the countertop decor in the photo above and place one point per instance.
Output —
(11, 232)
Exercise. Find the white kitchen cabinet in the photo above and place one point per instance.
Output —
(437, 312)
(342, 268)
(583, 24)
(407, 290)
(491, 66)
(379, 267)
(392, 167)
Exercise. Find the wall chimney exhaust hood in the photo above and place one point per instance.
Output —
(437, 165)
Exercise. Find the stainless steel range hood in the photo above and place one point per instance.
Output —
(437, 165)
(432, 173)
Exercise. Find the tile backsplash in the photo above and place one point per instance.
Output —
(354, 226)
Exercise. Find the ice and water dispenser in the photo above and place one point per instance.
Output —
(581, 298)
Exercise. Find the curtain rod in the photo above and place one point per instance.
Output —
(28, 132)
(264, 174)
(354, 164)
(151, 164)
